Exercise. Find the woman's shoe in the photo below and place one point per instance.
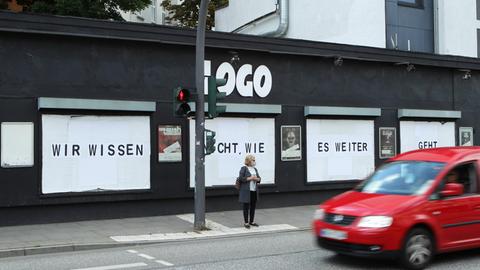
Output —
(247, 225)
(254, 224)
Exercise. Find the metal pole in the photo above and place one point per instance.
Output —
(199, 221)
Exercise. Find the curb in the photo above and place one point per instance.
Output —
(37, 250)
(27, 251)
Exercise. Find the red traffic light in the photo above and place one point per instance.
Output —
(181, 98)
(183, 95)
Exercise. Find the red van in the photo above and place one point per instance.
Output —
(416, 205)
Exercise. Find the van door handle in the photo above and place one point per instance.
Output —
(436, 213)
(477, 207)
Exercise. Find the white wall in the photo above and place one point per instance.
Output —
(240, 12)
(154, 13)
(356, 22)
(457, 27)
(151, 14)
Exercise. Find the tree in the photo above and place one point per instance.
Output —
(185, 14)
(3, 4)
(98, 9)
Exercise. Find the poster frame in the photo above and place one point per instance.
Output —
(381, 143)
(159, 141)
(461, 131)
(297, 129)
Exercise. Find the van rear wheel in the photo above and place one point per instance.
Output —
(418, 249)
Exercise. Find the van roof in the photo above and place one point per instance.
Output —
(442, 154)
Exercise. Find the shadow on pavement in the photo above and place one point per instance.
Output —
(441, 260)
(348, 262)
(456, 257)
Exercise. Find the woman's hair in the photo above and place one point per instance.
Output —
(248, 159)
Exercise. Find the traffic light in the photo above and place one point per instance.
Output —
(181, 97)
(214, 96)
(209, 142)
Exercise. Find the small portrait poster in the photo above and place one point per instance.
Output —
(465, 136)
(291, 143)
(387, 142)
(169, 143)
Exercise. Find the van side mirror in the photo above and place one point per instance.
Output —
(452, 189)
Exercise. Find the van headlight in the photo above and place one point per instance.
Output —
(319, 214)
(375, 222)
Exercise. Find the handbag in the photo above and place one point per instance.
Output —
(237, 184)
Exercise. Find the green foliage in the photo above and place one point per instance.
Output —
(98, 9)
(186, 13)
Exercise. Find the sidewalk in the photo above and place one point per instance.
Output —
(84, 235)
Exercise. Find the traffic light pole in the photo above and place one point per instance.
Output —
(199, 220)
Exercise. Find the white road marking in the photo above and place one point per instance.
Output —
(164, 263)
(202, 234)
(210, 224)
(132, 251)
(112, 267)
(148, 257)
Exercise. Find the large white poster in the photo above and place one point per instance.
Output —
(235, 138)
(95, 153)
(339, 149)
(422, 134)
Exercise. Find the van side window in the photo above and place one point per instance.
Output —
(465, 174)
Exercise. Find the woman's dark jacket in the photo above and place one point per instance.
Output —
(244, 191)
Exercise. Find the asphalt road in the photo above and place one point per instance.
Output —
(287, 250)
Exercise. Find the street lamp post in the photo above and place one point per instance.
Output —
(199, 220)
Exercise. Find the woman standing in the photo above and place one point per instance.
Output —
(248, 192)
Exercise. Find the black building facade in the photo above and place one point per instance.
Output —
(78, 84)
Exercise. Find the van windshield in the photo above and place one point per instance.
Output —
(402, 177)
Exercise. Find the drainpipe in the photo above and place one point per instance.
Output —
(283, 24)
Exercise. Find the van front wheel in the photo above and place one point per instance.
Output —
(418, 249)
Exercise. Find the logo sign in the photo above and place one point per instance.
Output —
(339, 149)
(95, 153)
(337, 218)
(233, 139)
(247, 79)
(422, 134)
